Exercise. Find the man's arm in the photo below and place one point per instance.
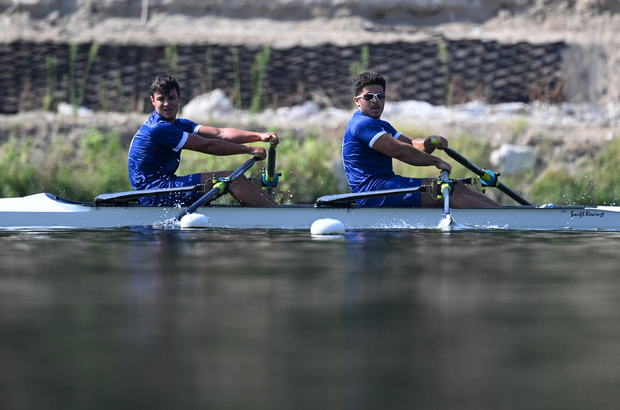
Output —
(236, 136)
(221, 147)
(425, 144)
(404, 149)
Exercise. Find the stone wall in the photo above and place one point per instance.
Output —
(439, 72)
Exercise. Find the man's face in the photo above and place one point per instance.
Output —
(167, 105)
(374, 107)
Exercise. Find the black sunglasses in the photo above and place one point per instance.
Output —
(371, 96)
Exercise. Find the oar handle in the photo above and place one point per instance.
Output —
(465, 162)
(271, 163)
(270, 177)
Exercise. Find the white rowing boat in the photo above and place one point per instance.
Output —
(50, 211)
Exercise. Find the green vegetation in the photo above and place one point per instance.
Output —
(358, 67)
(519, 126)
(595, 182)
(103, 95)
(76, 100)
(80, 171)
(120, 91)
(73, 47)
(49, 101)
(258, 74)
(19, 176)
(236, 95)
(443, 56)
(172, 58)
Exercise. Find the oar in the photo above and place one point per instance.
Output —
(219, 188)
(446, 187)
(270, 177)
(489, 177)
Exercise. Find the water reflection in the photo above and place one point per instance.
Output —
(245, 319)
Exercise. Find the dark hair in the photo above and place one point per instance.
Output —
(163, 84)
(367, 78)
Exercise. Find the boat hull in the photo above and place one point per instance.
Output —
(49, 211)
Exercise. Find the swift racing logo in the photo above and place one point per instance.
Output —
(586, 214)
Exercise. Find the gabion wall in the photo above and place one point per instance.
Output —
(37, 75)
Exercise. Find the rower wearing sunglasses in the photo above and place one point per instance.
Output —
(371, 143)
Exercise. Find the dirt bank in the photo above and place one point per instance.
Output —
(306, 22)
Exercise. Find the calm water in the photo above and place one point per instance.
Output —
(148, 319)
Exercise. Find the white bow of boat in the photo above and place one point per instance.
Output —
(46, 210)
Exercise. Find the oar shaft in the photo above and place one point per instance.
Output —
(219, 188)
(465, 162)
(512, 194)
(484, 175)
(242, 169)
(270, 177)
(192, 208)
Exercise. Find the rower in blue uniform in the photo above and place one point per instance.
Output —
(155, 151)
(371, 143)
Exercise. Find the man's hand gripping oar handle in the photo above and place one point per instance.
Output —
(219, 188)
